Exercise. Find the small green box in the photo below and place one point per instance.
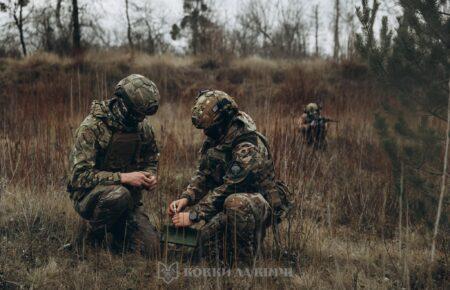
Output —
(179, 236)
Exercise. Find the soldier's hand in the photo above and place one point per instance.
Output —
(138, 179)
(177, 206)
(153, 182)
(181, 219)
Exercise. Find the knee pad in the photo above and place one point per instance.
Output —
(235, 202)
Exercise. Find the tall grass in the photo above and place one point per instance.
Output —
(342, 231)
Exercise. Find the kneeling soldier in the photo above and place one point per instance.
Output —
(113, 162)
(234, 189)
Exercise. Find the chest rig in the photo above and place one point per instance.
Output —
(123, 152)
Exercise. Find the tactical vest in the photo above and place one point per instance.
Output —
(122, 153)
(216, 160)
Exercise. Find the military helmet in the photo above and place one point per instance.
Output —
(140, 95)
(311, 108)
(212, 107)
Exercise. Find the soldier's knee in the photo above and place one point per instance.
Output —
(235, 202)
(118, 199)
(238, 211)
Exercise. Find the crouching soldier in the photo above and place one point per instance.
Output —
(234, 189)
(113, 162)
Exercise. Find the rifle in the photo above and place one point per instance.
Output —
(322, 121)
(326, 120)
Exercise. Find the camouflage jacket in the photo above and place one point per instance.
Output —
(238, 163)
(91, 142)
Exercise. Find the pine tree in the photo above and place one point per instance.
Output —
(197, 20)
(414, 66)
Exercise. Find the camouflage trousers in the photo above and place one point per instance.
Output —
(234, 236)
(315, 137)
(116, 210)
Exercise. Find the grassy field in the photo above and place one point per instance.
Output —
(345, 230)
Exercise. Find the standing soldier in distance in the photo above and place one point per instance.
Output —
(113, 162)
(234, 189)
(313, 127)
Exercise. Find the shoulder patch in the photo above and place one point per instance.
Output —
(244, 152)
(236, 169)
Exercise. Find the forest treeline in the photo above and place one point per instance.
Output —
(281, 29)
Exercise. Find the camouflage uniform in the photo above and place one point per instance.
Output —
(231, 189)
(103, 148)
(314, 129)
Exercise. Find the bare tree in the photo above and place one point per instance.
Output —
(278, 29)
(16, 11)
(44, 28)
(257, 18)
(291, 32)
(58, 14)
(129, 31)
(316, 29)
(147, 27)
(349, 20)
(76, 29)
(337, 12)
(243, 41)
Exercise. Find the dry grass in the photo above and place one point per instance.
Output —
(343, 227)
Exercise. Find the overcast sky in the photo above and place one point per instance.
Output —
(112, 17)
(226, 10)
